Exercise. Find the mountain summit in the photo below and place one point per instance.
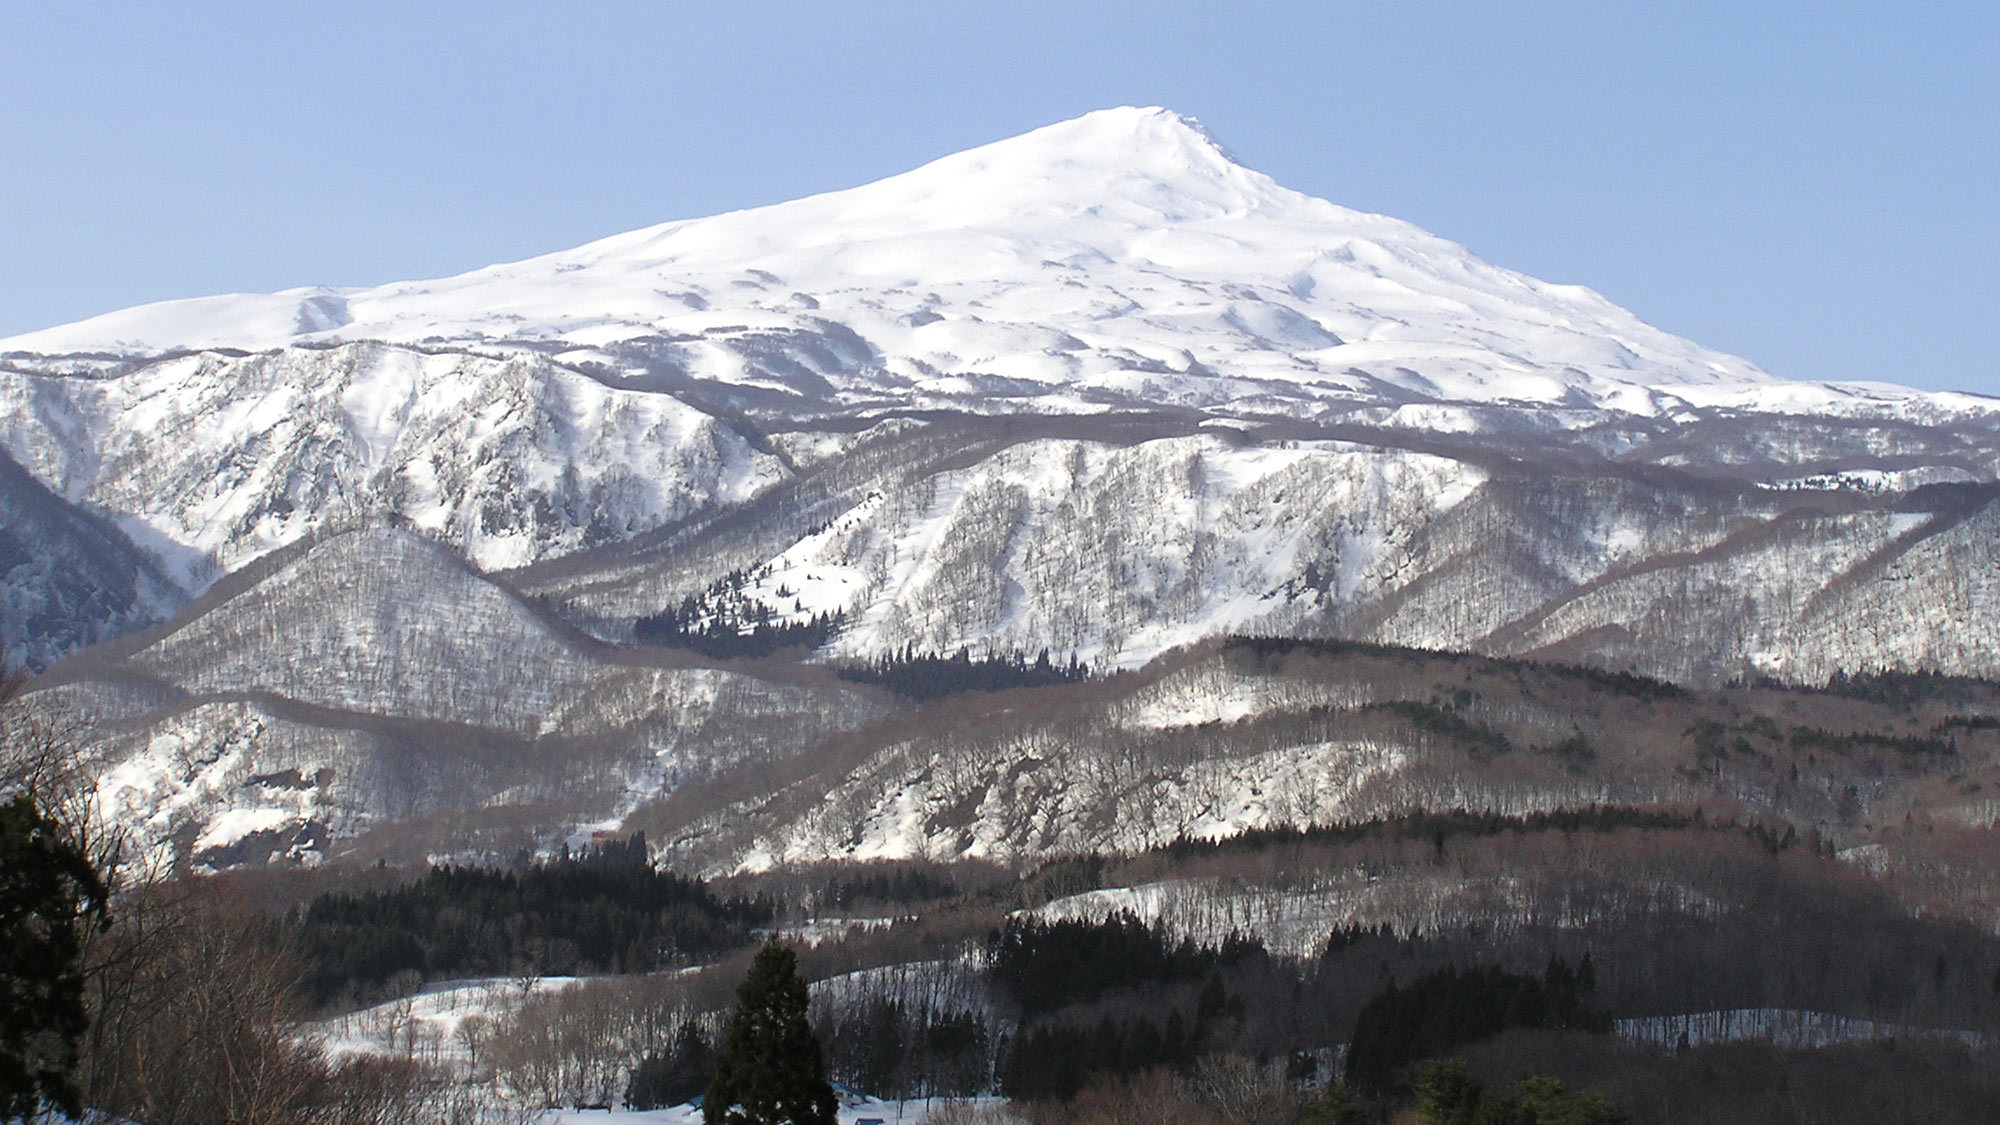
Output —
(1122, 257)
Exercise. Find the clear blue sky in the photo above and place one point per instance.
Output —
(1812, 186)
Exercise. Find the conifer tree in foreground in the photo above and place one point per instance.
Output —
(771, 1071)
(50, 897)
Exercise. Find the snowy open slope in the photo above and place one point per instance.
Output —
(1120, 256)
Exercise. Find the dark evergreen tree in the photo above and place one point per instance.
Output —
(50, 898)
(679, 1075)
(771, 1070)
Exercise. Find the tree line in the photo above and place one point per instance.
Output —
(1041, 966)
(921, 675)
(604, 909)
(1442, 827)
(1453, 1007)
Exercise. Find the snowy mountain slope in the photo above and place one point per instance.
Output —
(372, 693)
(380, 621)
(655, 401)
(1157, 534)
(213, 460)
(1119, 257)
(1165, 541)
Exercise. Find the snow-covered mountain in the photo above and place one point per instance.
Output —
(1098, 390)
(1122, 257)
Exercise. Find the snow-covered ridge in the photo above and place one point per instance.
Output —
(211, 460)
(1119, 257)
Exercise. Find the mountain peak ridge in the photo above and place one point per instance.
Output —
(1092, 257)
(1129, 167)
(1090, 186)
(1151, 139)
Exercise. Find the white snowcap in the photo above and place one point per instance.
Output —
(1123, 253)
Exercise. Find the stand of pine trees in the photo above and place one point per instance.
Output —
(722, 622)
(930, 676)
(1451, 1008)
(674, 1076)
(1042, 966)
(603, 910)
(897, 1049)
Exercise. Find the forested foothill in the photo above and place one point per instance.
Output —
(1264, 733)
(1534, 943)
(975, 983)
(980, 984)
